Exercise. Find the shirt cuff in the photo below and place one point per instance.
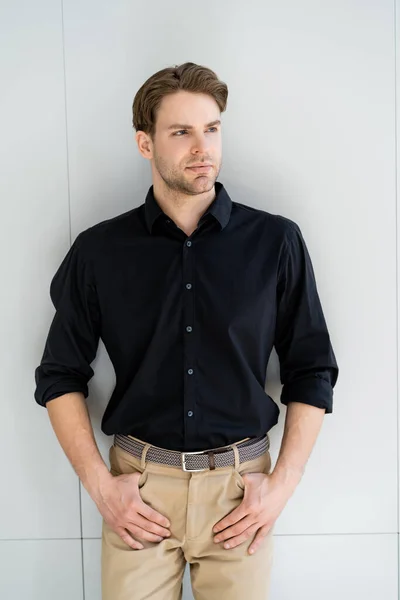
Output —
(45, 393)
(313, 390)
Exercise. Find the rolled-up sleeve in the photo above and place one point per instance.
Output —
(73, 337)
(308, 367)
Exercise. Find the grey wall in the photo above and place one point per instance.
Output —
(310, 133)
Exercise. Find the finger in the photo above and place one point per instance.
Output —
(152, 515)
(238, 513)
(261, 533)
(236, 529)
(143, 533)
(128, 539)
(151, 526)
(239, 539)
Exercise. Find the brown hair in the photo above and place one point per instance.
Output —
(189, 77)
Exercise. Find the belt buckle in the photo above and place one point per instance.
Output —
(184, 464)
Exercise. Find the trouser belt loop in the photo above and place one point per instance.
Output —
(236, 453)
(211, 459)
(143, 457)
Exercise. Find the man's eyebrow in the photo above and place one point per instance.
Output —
(183, 126)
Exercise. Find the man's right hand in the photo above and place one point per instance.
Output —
(117, 497)
(123, 509)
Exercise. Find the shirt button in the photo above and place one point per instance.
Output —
(168, 221)
(190, 413)
(190, 371)
(188, 286)
(188, 328)
(188, 243)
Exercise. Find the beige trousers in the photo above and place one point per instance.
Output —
(193, 502)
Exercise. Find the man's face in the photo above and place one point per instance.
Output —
(188, 132)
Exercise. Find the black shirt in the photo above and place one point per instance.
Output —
(189, 323)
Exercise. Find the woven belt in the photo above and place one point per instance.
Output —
(200, 460)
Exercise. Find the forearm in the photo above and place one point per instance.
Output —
(302, 425)
(71, 423)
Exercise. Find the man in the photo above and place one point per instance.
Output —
(189, 292)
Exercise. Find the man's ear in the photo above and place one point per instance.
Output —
(145, 144)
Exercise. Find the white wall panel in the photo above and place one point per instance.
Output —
(91, 568)
(312, 567)
(41, 570)
(397, 91)
(42, 493)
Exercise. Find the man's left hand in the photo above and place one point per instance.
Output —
(264, 499)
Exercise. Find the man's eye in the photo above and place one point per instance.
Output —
(184, 130)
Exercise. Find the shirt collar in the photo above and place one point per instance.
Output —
(220, 207)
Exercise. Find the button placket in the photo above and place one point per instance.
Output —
(188, 341)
